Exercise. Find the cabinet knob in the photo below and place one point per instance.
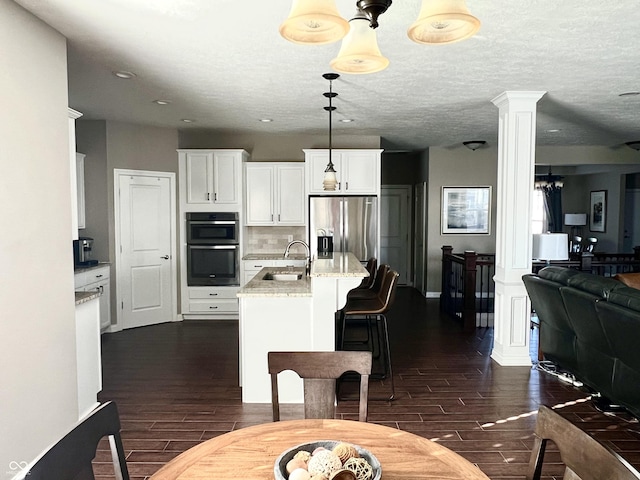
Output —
(346, 185)
(208, 197)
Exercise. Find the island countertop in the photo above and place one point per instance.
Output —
(338, 265)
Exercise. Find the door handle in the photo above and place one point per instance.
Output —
(166, 257)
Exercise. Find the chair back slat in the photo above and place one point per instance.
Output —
(584, 457)
(319, 371)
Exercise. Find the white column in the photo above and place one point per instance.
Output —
(516, 162)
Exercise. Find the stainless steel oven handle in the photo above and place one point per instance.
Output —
(212, 222)
(214, 247)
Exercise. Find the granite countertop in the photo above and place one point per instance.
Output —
(257, 287)
(92, 267)
(338, 265)
(83, 297)
(273, 256)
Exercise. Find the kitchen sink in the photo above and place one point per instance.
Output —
(282, 277)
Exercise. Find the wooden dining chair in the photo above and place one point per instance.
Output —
(71, 457)
(320, 372)
(584, 457)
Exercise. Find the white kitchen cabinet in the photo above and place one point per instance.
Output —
(97, 279)
(357, 171)
(72, 115)
(209, 302)
(88, 355)
(211, 178)
(80, 189)
(275, 193)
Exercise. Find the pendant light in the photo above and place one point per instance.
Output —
(314, 22)
(443, 21)
(330, 181)
(359, 52)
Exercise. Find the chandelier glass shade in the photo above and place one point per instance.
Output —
(314, 22)
(359, 52)
(443, 21)
(548, 182)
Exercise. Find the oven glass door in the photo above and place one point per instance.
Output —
(212, 232)
(213, 265)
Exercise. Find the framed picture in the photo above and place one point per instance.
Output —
(466, 210)
(598, 211)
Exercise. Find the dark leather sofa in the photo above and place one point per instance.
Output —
(590, 327)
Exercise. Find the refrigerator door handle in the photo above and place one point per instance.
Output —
(345, 225)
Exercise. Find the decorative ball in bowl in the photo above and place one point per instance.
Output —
(327, 460)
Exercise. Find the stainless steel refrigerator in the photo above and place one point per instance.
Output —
(352, 221)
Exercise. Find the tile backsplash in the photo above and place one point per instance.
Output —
(271, 239)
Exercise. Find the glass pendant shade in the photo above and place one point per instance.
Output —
(330, 181)
(359, 52)
(314, 22)
(443, 21)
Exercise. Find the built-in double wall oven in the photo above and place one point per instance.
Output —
(213, 250)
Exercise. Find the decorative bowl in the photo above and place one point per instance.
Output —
(280, 470)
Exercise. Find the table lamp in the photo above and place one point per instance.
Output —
(576, 221)
(550, 246)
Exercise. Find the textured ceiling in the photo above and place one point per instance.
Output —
(223, 64)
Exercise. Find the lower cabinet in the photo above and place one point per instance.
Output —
(210, 302)
(97, 279)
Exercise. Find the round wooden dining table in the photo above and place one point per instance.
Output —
(250, 453)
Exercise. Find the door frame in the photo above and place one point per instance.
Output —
(117, 173)
(410, 225)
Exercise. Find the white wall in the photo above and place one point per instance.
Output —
(38, 392)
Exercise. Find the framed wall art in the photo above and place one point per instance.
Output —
(598, 211)
(466, 210)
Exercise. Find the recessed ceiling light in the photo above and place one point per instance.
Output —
(346, 120)
(629, 94)
(187, 120)
(124, 74)
(162, 102)
(553, 130)
(266, 120)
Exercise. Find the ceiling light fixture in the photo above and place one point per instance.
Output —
(474, 144)
(548, 182)
(359, 52)
(161, 102)
(635, 145)
(124, 74)
(316, 22)
(330, 181)
(266, 120)
(187, 120)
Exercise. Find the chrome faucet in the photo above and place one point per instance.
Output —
(308, 252)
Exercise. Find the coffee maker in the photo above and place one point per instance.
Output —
(83, 252)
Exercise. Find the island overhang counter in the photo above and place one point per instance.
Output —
(286, 315)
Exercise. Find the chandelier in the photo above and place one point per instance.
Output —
(318, 22)
(548, 182)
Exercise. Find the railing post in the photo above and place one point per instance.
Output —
(586, 259)
(469, 300)
(445, 289)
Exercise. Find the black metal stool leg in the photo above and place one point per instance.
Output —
(388, 353)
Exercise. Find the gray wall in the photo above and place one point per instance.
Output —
(38, 392)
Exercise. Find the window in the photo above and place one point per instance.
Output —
(538, 213)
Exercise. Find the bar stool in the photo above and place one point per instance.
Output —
(371, 266)
(375, 308)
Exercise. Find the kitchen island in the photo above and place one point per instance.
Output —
(282, 309)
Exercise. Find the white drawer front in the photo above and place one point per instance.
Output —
(222, 306)
(79, 280)
(213, 293)
(97, 274)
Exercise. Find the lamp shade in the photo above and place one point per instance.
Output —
(314, 22)
(359, 52)
(443, 21)
(575, 219)
(550, 246)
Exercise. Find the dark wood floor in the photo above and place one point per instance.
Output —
(176, 385)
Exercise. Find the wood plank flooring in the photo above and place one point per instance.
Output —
(176, 385)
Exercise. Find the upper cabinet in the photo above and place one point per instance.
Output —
(72, 115)
(275, 193)
(358, 171)
(210, 178)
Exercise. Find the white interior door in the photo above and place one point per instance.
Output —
(146, 258)
(420, 238)
(394, 230)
